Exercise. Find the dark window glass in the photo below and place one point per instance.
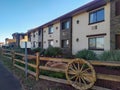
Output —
(66, 25)
(96, 16)
(33, 34)
(50, 30)
(39, 44)
(100, 15)
(65, 43)
(39, 32)
(34, 44)
(96, 43)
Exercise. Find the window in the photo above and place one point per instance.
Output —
(66, 25)
(65, 43)
(39, 32)
(39, 44)
(117, 8)
(50, 30)
(34, 44)
(96, 16)
(96, 43)
(50, 43)
(77, 21)
(33, 34)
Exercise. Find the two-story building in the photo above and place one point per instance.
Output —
(94, 26)
(35, 37)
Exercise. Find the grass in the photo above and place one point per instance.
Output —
(26, 83)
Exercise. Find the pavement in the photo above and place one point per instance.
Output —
(7, 80)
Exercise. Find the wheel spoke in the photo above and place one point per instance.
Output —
(74, 66)
(73, 77)
(71, 72)
(86, 70)
(88, 77)
(72, 69)
(82, 67)
(80, 81)
(84, 81)
(76, 78)
(78, 66)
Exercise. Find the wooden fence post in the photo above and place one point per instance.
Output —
(2, 51)
(13, 57)
(37, 65)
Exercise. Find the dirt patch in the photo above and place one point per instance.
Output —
(48, 85)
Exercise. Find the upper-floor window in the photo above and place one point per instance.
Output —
(66, 25)
(96, 16)
(39, 32)
(117, 8)
(33, 34)
(96, 43)
(50, 29)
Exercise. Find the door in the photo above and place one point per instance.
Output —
(117, 41)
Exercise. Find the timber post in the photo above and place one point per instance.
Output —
(37, 65)
(2, 51)
(13, 57)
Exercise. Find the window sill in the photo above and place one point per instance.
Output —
(97, 49)
(65, 29)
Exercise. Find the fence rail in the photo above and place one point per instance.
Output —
(37, 66)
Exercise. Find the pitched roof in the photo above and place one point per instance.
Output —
(85, 8)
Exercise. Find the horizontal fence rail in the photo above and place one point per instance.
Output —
(38, 67)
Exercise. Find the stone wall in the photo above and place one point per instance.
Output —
(114, 25)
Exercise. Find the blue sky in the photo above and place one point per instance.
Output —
(22, 15)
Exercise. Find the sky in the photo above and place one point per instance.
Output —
(23, 15)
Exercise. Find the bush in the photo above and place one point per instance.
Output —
(37, 50)
(86, 54)
(19, 50)
(53, 51)
(110, 56)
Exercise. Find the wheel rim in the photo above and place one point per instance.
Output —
(80, 74)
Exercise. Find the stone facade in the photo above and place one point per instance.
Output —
(66, 34)
(114, 24)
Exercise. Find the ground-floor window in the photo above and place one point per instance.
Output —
(65, 43)
(50, 43)
(96, 43)
(34, 44)
(39, 44)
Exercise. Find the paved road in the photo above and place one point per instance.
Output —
(7, 80)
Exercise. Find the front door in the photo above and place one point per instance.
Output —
(117, 41)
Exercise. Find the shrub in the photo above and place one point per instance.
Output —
(37, 50)
(110, 56)
(86, 54)
(53, 51)
(19, 50)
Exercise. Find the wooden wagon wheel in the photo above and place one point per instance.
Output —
(80, 74)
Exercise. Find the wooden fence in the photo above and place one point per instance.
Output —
(37, 66)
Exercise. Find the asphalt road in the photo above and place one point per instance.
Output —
(7, 80)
